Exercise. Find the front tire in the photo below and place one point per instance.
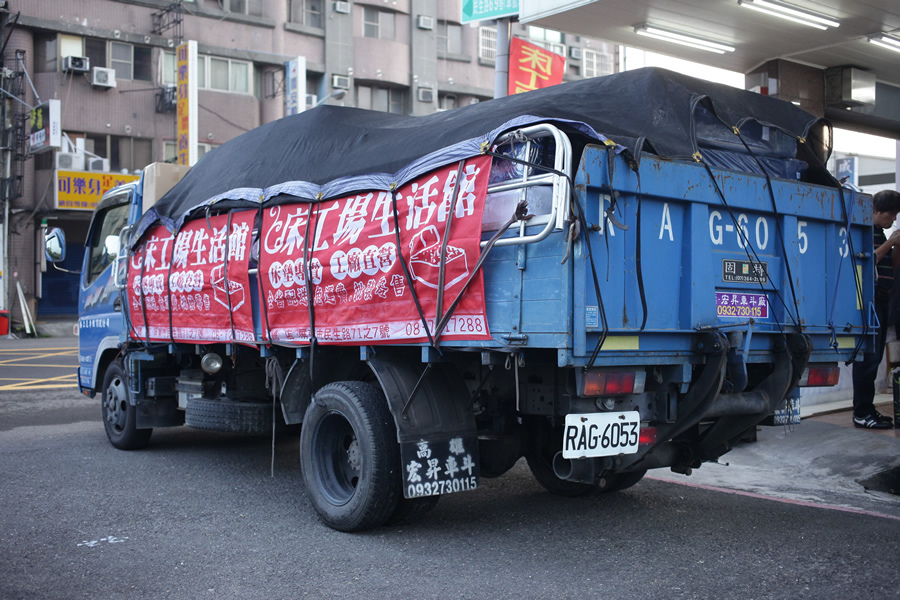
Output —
(350, 457)
(119, 414)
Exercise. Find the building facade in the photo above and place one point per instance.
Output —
(110, 65)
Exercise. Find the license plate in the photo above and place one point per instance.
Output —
(601, 434)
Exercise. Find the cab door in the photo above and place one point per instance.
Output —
(101, 316)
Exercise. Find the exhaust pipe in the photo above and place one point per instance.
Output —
(582, 470)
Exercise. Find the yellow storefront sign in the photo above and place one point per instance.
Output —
(79, 190)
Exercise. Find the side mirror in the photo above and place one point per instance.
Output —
(55, 245)
(112, 245)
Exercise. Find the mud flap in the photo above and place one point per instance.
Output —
(435, 425)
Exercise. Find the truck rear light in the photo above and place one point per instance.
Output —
(647, 436)
(820, 375)
(612, 383)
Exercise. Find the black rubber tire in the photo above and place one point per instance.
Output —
(227, 416)
(119, 416)
(350, 457)
(410, 509)
(616, 482)
(543, 444)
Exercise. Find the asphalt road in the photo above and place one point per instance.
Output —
(199, 515)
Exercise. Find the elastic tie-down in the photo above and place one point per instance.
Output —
(169, 288)
(444, 243)
(260, 217)
(313, 342)
(787, 263)
(143, 298)
(225, 281)
(410, 283)
(521, 214)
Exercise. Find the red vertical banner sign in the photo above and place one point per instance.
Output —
(188, 276)
(532, 67)
(355, 286)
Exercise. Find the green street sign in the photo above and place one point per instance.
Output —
(480, 10)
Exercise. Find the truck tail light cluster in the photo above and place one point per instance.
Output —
(821, 375)
(612, 383)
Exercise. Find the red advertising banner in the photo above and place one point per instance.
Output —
(532, 67)
(188, 273)
(358, 292)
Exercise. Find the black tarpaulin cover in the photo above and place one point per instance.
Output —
(333, 151)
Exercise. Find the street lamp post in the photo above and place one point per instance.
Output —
(336, 94)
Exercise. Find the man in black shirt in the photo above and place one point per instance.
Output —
(887, 205)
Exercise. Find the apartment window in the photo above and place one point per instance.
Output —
(124, 153)
(597, 63)
(307, 12)
(447, 101)
(170, 151)
(378, 23)
(45, 53)
(95, 50)
(391, 100)
(223, 74)
(547, 39)
(449, 37)
(487, 43)
(130, 62)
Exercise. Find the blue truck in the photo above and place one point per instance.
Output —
(661, 263)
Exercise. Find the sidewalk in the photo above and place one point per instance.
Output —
(824, 460)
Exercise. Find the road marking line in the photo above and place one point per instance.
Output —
(712, 488)
(69, 386)
(73, 366)
(11, 361)
(19, 386)
(19, 350)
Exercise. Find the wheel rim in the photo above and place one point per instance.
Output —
(116, 405)
(337, 458)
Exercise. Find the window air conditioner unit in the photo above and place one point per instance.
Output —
(101, 77)
(340, 82)
(576, 53)
(98, 164)
(342, 7)
(69, 161)
(425, 22)
(311, 100)
(76, 64)
(426, 95)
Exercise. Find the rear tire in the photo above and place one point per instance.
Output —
(350, 456)
(616, 482)
(119, 415)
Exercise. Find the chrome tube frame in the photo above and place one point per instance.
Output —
(559, 214)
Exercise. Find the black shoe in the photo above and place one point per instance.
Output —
(871, 421)
(882, 418)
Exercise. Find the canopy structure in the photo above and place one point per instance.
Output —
(331, 151)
